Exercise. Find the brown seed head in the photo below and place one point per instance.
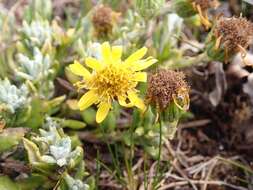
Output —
(206, 4)
(234, 33)
(163, 86)
(102, 20)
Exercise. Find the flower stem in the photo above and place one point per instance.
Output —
(156, 180)
(201, 59)
(145, 172)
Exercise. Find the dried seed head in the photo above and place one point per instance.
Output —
(166, 86)
(234, 34)
(102, 20)
(206, 4)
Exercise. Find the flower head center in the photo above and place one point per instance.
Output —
(112, 81)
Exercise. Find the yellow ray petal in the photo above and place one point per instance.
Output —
(78, 69)
(143, 64)
(136, 55)
(102, 112)
(93, 63)
(122, 102)
(140, 77)
(116, 52)
(134, 99)
(87, 100)
(106, 52)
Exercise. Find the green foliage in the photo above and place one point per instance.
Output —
(10, 137)
(7, 183)
(183, 8)
(149, 8)
(214, 53)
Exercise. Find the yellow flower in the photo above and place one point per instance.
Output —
(112, 79)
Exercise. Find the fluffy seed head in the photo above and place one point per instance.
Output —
(166, 86)
(234, 33)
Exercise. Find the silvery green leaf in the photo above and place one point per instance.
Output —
(48, 159)
(75, 184)
(37, 32)
(35, 69)
(61, 150)
(75, 157)
(49, 136)
(174, 24)
(148, 8)
(94, 50)
(12, 96)
(43, 8)
(51, 123)
(174, 27)
(249, 1)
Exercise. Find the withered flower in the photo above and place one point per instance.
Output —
(206, 4)
(188, 8)
(103, 19)
(202, 6)
(233, 34)
(166, 87)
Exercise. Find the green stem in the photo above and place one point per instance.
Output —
(130, 164)
(132, 144)
(114, 160)
(200, 59)
(159, 153)
(145, 172)
(97, 170)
